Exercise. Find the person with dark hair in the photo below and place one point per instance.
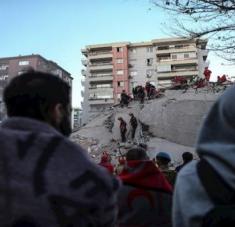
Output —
(143, 146)
(123, 129)
(134, 124)
(146, 196)
(46, 180)
(204, 192)
(125, 99)
(187, 157)
(140, 94)
(150, 89)
(163, 160)
(134, 92)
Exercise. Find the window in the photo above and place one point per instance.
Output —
(120, 72)
(186, 55)
(149, 61)
(20, 72)
(103, 85)
(3, 67)
(163, 48)
(120, 83)
(174, 56)
(149, 73)
(23, 62)
(179, 46)
(133, 50)
(204, 58)
(3, 77)
(119, 61)
(133, 73)
(149, 49)
(133, 59)
(119, 49)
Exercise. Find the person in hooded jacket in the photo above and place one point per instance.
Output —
(192, 201)
(145, 198)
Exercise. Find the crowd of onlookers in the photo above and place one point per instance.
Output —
(47, 180)
(145, 183)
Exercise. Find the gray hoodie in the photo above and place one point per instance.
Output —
(47, 180)
(216, 144)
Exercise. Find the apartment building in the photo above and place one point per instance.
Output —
(15, 66)
(111, 68)
(76, 118)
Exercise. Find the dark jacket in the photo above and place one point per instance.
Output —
(47, 179)
(123, 126)
(133, 122)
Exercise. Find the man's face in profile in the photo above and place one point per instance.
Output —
(65, 124)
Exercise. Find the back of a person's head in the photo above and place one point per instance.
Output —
(32, 94)
(136, 154)
(187, 156)
(143, 146)
(163, 158)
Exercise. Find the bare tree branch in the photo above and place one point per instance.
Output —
(204, 18)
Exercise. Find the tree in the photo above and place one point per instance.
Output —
(214, 19)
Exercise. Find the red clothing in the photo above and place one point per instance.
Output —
(108, 166)
(105, 162)
(207, 73)
(148, 176)
(145, 193)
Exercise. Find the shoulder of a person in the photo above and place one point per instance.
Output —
(188, 170)
(97, 172)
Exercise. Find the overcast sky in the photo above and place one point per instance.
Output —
(58, 29)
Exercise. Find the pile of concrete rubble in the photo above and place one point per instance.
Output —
(170, 124)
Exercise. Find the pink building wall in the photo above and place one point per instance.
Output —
(120, 66)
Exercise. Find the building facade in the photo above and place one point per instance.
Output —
(76, 118)
(111, 68)
(15, 66)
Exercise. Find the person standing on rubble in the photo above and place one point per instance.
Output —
(123, 129)
(125, 99)
(134, 124)
(141, 94)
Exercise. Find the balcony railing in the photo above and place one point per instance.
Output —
(100, 64)
(85, 62)
(94, 53)
(83, 71)
(95, 87)
(101, 76)
(83, 83)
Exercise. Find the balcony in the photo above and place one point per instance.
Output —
(101, 66)
(84, 52)
(176, 50)
(83, 83)
(85, 62)
(170, 61)
(84, 72)
(106, 90)
(99, 101)
(100, 55)
(101, 77)
(172, 74)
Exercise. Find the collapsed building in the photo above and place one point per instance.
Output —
(170, 123)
